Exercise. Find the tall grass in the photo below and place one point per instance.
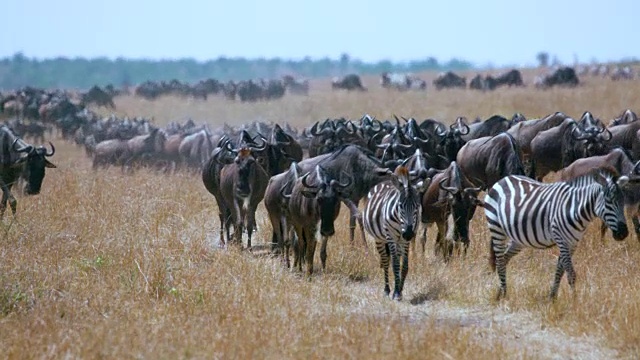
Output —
(102, 264)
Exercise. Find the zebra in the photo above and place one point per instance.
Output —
(392, 216)
(522, 212)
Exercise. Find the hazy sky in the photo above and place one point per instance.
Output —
(481, 31)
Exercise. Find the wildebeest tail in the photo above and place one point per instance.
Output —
(514, 165)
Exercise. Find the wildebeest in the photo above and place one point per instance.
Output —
(222, 155)
(242, 185)
(510, 78)
(618, 160)
(276, 202)
(449, 202)
(97, 96)
(362, 166)
(484, 161)
(315, 198)
(493, 126)
(484, 84)
(523, 132)
(449, 80)
(19, 159)
(565, 76)
(625, 117)
(556, 148)
(296, 86)
(348, 82)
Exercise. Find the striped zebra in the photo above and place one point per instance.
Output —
(522, 212)
(392, 217)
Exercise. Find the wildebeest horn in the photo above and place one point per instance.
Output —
(227, 146)
(379, 125)
(609, 136)
(636, 168)
(53, 150)
(397, 120)
(472, 190)
(403, 146)
(441, 132)
(305, 183)
(314, 129)
(451, 190)
(341, 185)
(259, 148)
(578, 137)
(383, 146)
(423, 141)
(25, 149)
(462, 125)
(282, 191)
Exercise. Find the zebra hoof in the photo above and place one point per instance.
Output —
(397, 296)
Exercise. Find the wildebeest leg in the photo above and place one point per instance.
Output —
(603, 230)
(323, 252)
(7, 196)
(636, 221)
(442, 245)
(251, 223)
(310, 245)
(355, 215)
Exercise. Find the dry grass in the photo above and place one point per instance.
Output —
(106, 265)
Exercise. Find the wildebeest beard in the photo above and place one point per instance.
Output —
(245, 173)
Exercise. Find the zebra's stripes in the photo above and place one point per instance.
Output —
(392, 217)
(525, 213)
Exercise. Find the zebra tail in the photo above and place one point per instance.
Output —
(492, 257)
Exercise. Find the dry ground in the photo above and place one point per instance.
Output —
(107, 265)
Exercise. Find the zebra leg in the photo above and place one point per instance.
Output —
(512, 251)
(499, 258)
(384, 251)
(405, 265)
(395, 264)
(558, 276)
(323, 252)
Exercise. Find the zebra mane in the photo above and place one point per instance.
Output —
(598, 175)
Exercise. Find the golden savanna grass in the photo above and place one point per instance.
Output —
(106, 265)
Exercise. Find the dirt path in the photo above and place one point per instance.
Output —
(520, 331)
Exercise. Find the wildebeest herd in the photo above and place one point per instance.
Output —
(406, 171)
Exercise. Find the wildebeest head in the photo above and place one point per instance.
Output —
(461, 201)
(34, 165)
(327, 192)
(451, 141)
(249, 161)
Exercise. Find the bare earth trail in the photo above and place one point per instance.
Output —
(519, 333)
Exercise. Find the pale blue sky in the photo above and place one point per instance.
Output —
(497, 31)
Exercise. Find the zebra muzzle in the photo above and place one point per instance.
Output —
(622, 233)
(408, 233)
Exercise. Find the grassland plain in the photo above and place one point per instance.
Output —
(106, 265)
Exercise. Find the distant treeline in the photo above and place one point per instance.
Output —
(81, 73)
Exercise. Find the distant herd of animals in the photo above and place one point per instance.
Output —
(264, 90)
(407, 172)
